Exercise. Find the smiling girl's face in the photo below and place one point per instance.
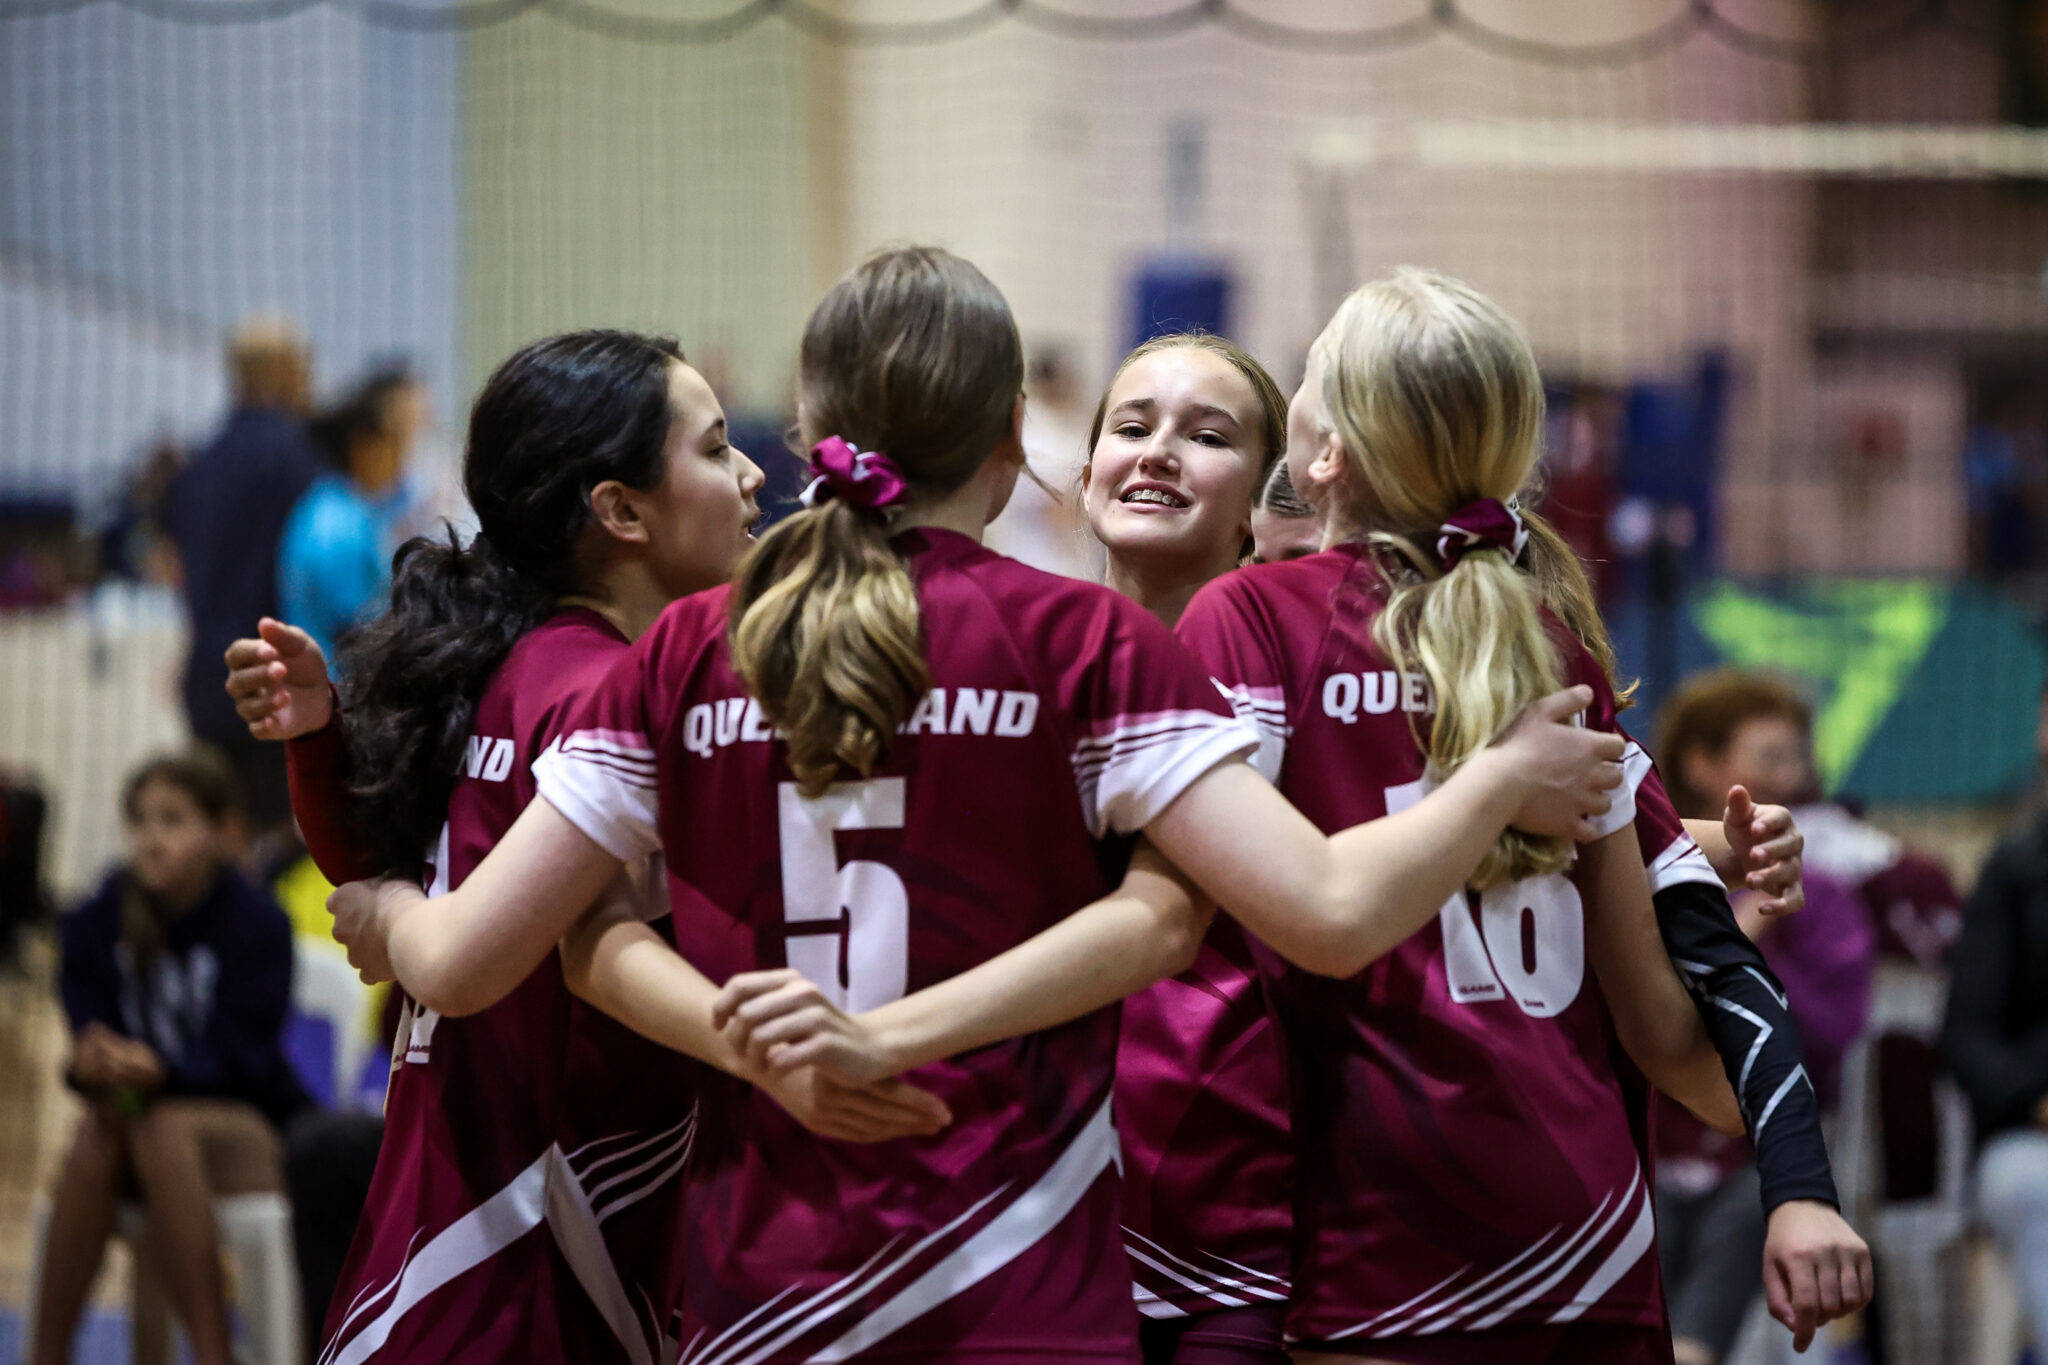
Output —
(1170, 478)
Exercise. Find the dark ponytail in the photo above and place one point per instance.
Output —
(555, 420)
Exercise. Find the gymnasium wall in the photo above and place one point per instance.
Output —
(654, 186)
(158, 180)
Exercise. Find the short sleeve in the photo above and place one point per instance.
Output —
(600, 772)
(1231, 638)
(1148, 722)
(1669, 853)
(1603, 714)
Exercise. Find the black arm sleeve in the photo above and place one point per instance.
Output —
(1743, 1005)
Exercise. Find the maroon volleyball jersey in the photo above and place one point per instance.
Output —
(1669, 854)
(1202, 1106)
(527, 1193)
(1208, 1161)
(1059, 714)
(1464, 1156)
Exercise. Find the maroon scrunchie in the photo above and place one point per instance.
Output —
(1487, 524)
(867, 480)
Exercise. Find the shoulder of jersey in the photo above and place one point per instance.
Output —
(1012, 579)
(1310, 574)
(556, 663)
(700, 615)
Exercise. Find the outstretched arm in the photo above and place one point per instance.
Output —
(1816, 1268)
(278, 680)
(467, 950)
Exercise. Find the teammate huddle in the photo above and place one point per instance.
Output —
(889, 803)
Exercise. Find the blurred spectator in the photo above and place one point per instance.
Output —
(2005, 466)
(334, 558)
(1995, 1041)
(129, 541)
(1910, 897)
(23, 899)
(1044, 525)
(224, 513)
(176, 977)
(1720, 730)
(1577, 492)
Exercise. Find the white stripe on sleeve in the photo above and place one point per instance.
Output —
(1265, 710)
(605, 788)
(1635, 766)
(1131, 767)
(1679, 863)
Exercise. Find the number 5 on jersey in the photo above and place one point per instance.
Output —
(1526, 942)
(847, 925)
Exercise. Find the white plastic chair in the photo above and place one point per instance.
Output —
(1998, 1324)
(255, 1229)
(325, 987)
(256, 1235)
(1919, 1243)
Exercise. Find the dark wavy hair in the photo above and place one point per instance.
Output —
(365, 411)
(555, 420)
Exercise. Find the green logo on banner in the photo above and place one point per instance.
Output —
(1859, 640)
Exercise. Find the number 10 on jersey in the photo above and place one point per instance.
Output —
(1525, 941)
(846, 925)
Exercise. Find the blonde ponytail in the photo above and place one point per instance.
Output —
(1434, 394)
(1476, 634)
(827, 635)
(1562, 585)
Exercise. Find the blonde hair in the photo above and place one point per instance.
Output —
(1561, 583)
(913, 354)
(1434, 393)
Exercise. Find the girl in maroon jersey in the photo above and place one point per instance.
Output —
(605, 487)
(1176, 439)
(859, 628)
(1188, 428)
(1417, 426)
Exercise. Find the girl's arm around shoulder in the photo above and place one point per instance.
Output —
(1335, 904)
(465, 951)
(1150, 928)
(613, 960)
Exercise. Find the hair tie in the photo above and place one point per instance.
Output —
(1485, 524)
(867, 480)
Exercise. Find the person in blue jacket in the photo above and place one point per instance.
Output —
(176, 977)
(334, 557)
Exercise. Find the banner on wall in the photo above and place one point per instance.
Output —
(1923, 692)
